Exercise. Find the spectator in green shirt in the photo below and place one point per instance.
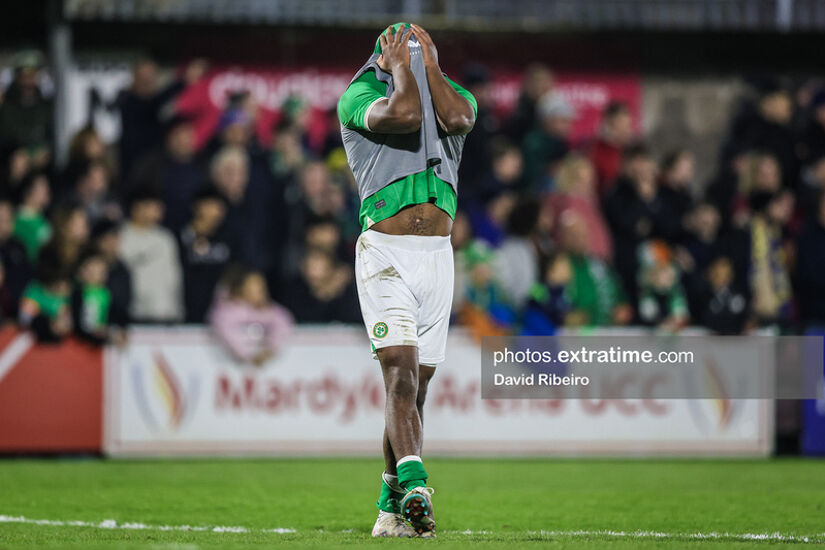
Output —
(595, 293)
(44, 307)
(91, 299)
(30, 225)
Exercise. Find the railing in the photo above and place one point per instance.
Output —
(581, 15)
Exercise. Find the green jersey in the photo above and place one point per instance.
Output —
(594, 289)
(353, 111)
(37, 300)
(33, 231)
(96, 301)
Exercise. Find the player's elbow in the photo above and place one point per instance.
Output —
(409, 121)
(459, 124)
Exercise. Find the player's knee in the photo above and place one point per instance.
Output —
(400, 373)
(402, 384)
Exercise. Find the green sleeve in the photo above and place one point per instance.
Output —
(464, 93)
(357, 99)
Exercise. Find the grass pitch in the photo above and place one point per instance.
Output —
(478, 503)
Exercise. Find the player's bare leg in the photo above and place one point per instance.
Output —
(417, 505)
(393, 523)
(400, 367)
(425, 373)
(402, 421)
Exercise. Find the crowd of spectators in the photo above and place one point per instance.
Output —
(603, 232)
(549, 232)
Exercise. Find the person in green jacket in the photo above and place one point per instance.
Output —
(30, 225)
(91, 299)
(594, 291)
(44, 306)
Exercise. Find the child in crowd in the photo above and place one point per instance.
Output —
(485, 311)
(150, 252)
(204, 253)
(662, 301)
(245, 318)
(106, 241)
(30, 225)
(91, 300)
(724, 308)
(549, 305)
(44, 307)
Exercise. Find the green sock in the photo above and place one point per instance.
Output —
(389, 500)
(411, 473)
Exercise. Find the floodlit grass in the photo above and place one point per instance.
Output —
(478, 503)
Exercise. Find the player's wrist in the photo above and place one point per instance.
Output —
(432, 66)
(397, 65)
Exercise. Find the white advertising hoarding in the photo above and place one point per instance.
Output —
(176, 391)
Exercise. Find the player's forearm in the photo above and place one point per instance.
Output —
(402, 113)
(455, 113)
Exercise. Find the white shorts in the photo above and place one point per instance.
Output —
(405, 286)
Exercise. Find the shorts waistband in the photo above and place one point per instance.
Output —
(416, 243)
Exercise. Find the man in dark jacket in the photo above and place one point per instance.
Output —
(636, 212)
(25, 115)
(810, 283)
(766, 127)
(173, 172)
(15, 263)
(204, 253)
(810, 144)
(140, 106)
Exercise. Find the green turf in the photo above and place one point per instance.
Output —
(511, 499)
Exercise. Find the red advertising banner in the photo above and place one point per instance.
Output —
(321, 87)
(51, 396)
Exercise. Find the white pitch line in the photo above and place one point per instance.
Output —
(814, 539)
(130, 525)
(113, 524)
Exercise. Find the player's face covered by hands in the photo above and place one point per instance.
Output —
(394, 47)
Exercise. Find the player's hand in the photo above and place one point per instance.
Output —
(395, 52)
(428, 49)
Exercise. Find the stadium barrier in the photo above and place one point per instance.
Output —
(51, 397)
(175, 391)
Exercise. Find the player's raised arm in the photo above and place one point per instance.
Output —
(401, 112)
(455, 113)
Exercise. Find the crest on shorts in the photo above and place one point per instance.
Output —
(380, 329)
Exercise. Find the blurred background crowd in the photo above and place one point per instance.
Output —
(235, 229)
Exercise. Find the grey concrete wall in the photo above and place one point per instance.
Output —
(689, 112)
